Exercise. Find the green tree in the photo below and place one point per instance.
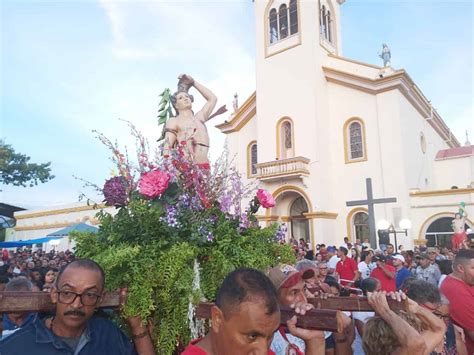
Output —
(16, 170)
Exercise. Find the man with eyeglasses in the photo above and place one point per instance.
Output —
(428, 296)
(74, 329)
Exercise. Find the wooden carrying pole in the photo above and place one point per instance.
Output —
(326, 316)
(24, 301)
(319, 319)
(357, 304)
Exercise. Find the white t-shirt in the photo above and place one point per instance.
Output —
(365, 269)
(357, 344)
(280, 345)
(441, 279)
(333, 262)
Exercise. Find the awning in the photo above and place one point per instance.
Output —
(78, 227)
(22, 243)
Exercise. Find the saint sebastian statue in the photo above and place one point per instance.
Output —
(187, 126)
(459, 238)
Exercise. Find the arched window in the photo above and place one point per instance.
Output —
(354, 140)
(361, 225)
(293, 17)
(328, 23)
(273, 19)
(322, 21)
(422, 142)
(355, 134)
(252, 159)
(287, 135)
(285, 139)
(283, 17)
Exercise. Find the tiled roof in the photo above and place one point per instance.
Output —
(455, 152)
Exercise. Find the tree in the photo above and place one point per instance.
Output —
(16, 170)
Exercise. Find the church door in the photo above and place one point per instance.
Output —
(299, 222)
(361, 226)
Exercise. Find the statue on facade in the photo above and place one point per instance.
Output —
(187, 127)
(235, 102)
(385, 55)
(459, 239)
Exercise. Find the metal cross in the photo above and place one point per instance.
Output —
(370, 202)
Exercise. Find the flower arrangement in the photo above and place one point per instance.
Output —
(177, 231)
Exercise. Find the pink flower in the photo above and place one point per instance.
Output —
(265, 198)
(152, 184)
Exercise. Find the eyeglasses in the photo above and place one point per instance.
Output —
(323, 268)
(436, 312)
(87, 298)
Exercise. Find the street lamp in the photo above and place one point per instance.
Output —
(383, 224)
(405, 225)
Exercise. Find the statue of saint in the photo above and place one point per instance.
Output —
(235, 102)
(187, 126)
(459, 239)
(385, 55)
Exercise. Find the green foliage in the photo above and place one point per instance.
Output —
(164, 110)
(136, 251)
(16, 170)
(150, 245)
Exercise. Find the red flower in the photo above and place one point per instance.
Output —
(153, 184)
(265, 198)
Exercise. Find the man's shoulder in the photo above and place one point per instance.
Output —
(352, 261)
(25, 336)
(405, 271)
(455, 285)
(102, 324)
(193, 349)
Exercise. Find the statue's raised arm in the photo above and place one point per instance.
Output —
(188, 127)
(186, 81)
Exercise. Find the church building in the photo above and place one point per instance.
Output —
(320, 124)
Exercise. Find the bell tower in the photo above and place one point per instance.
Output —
(294, 38)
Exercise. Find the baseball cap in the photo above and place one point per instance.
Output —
(284, 275)
(382, 258)
(423, 256)
(399, 257)
(431, 250)
(331, 249)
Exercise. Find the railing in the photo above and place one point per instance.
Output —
(285, 168)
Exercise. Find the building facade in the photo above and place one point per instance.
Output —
(319, 124)
(35, 224)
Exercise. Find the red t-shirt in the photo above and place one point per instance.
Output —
(193, 349)
(346, 269)
(461, 305)
(386, 284)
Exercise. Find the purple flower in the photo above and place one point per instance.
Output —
(203, 231)
(280, 234)
(244, 222)
(171, 218)
(114, 191)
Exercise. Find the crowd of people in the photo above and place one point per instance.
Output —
(438, 278)
(436, 284)
(37, 266)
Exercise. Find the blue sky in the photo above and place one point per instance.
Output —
(68, 67)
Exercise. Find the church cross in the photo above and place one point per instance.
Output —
(370, 202)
